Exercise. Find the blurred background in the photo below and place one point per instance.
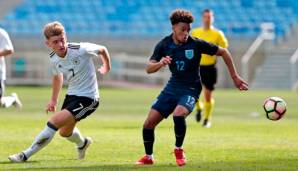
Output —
(262, 34)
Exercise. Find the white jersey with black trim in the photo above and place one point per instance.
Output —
(5, 44)
(78, 68)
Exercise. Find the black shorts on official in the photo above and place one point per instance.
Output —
(208, 76)
(80, 107)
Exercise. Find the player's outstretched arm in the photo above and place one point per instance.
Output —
(227, 57)
(57, 82)
(106, 60)
(154, 66)
(6, 52)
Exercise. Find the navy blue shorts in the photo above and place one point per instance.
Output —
(166, 103)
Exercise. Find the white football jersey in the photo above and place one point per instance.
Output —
(5, 44)
(78, 68)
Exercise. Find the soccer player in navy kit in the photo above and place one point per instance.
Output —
(182, 53)
(74, 61)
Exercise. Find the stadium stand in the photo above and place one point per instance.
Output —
(130, 28)
(147, 18)
(275, 72)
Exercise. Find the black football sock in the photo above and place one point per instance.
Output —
(180, 129)
(148, 138)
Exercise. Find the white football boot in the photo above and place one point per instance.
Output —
(18, 158)
(82, 150)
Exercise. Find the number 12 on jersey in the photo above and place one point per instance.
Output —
(180, 65)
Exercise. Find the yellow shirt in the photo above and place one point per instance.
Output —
(212, 36)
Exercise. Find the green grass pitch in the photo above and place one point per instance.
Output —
(241, 137)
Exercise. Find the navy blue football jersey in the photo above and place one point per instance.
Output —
(185, 62)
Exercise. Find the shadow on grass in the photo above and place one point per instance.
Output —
(288, 164)
(9, 162)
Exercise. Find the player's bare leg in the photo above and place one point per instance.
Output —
(153, 119)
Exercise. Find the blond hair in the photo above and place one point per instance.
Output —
(53, 29)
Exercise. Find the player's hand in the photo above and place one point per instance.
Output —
(103, 70)
(240, 83)
(165, 61)
(51, 106)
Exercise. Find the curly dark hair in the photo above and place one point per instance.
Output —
(180, 15)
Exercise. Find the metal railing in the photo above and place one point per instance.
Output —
(293, 72)
(266, 34)
(132, 68)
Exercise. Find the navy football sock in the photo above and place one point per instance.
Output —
(180, 129)
(148, 138)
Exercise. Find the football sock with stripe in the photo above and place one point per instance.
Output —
(76, 137)
(43, 139)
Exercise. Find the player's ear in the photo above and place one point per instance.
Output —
(173, 28)
(47, 43)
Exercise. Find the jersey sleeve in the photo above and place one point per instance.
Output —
(54, 70)
(158, 52)
(5, 42)
(206, 48)
(91, 48)
(222, 41)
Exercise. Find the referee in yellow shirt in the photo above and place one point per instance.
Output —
(208, 69)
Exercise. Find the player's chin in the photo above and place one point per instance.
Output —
(62, 50)
(183, 41)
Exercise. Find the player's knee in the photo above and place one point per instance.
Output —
(181, 111)
(185, 114)
(55, 121)
(149, 124)
(65, 133)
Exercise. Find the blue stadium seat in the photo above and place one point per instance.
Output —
(148, 18)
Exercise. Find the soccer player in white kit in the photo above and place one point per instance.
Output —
(74, 61)
(6, 49)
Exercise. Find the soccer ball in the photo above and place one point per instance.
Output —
(275, 108)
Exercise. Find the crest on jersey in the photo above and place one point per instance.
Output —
(189, 54)
(76, 61)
